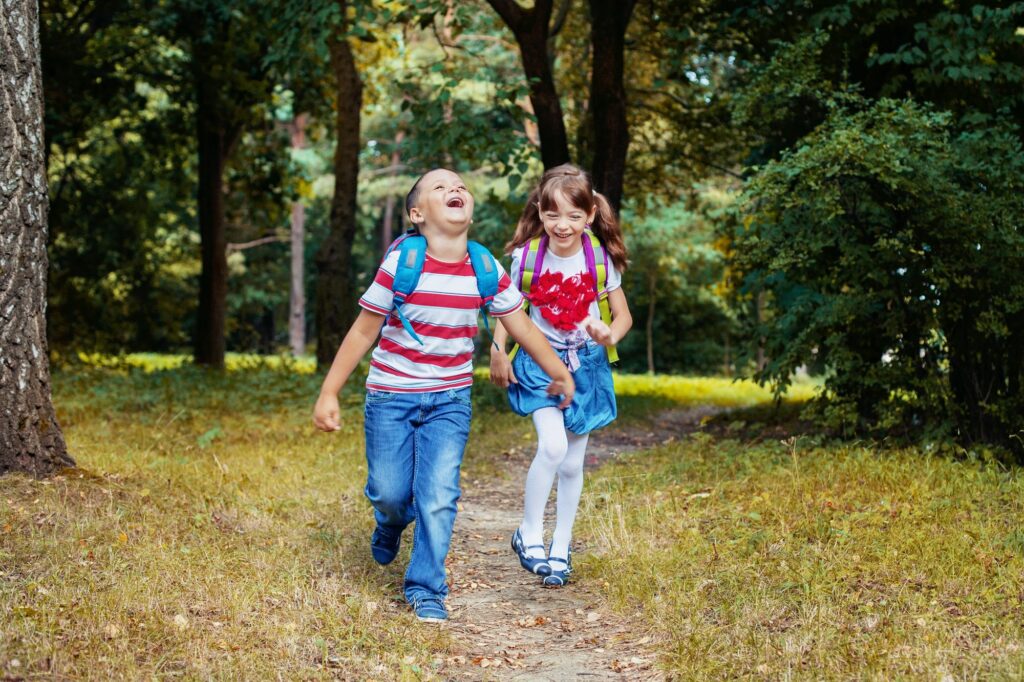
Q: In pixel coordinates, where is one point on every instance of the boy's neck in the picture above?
(446, 246)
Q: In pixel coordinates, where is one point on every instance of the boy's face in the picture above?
(442, 201)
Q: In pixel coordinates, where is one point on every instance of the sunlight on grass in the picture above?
(782, 560)
(211, 532)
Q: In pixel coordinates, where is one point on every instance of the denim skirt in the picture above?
(592, 407)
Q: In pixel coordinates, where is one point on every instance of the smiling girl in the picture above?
(567, 259)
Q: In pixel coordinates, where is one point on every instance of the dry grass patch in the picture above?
(783, 561)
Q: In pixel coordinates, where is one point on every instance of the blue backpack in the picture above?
(412, 250)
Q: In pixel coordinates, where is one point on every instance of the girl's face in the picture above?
(564, 223)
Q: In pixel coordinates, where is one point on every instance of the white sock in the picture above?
(552, 445)
(570, 486)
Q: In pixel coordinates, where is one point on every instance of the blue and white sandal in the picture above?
(558, 578)
(531, 564)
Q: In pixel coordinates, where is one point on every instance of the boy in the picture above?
(418, 395)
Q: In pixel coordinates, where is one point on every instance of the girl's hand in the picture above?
(564, 387)
(327, 413)
(501, 370)
(599, 331)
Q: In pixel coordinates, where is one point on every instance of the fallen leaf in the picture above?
(181, 622)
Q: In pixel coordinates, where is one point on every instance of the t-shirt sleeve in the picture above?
(379, 297)
(517, 259)
(508, 299)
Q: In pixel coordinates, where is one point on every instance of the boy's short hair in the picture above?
(414, 193)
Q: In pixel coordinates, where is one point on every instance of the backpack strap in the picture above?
(529, 265)
(486, 271)
(597, 265)
(412, 250)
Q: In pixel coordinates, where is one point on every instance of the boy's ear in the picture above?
(416, 216)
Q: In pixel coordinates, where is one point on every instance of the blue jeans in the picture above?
(414, 447)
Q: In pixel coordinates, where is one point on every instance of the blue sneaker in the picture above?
(538, 566)
(558, 578)
(384, 544)
(430, 610)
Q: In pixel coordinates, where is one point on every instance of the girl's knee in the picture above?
(570, 467)
(552, 453)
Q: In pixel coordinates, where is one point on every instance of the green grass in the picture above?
(211, 532)
(781, 560)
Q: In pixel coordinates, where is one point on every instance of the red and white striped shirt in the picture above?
(443, 310)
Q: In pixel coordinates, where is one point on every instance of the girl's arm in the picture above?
(358, 340)
(501, 367)
(525, 332)
(622, 321)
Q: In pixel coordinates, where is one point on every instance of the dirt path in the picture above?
(509, 627)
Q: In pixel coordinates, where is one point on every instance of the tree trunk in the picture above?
(608, 22)
(652, 293)
(297, 299)
(387, 228)
(335, 304)
(30, 438)
(531, 28)
(216, 134)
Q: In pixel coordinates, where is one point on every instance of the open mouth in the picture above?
(455, 202)
(561, 235)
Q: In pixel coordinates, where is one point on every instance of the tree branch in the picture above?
(241, 246)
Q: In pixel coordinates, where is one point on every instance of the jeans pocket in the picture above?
(377, 397)
(460, 396)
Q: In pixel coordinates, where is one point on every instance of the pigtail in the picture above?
(606, 227)
(529, 225)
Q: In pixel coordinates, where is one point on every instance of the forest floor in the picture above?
(210, 533)
(504, 620)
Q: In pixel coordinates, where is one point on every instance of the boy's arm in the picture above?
(501, 367)
(358, 340)
(526, 334)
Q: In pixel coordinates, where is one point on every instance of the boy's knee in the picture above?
(391, 501)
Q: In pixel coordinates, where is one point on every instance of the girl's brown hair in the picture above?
(575, 185)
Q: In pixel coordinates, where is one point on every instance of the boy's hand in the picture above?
(327, 413)
(565, 387)
(501, 370)
(599, 331)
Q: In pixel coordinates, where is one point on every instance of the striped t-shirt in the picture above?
(443, 310)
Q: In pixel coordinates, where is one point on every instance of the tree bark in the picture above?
(297, 299)
(387, 228)
(217, 131)
(609, 19)
(30, 437)
(335, 307)
(531, 28)
(652, 293)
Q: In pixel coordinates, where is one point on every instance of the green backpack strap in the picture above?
(528, 266)
(597, 263)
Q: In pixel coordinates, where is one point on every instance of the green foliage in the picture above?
(671, 288)
(890, 246)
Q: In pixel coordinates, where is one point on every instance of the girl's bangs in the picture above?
(574, 189)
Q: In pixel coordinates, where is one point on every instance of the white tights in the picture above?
(559, 452)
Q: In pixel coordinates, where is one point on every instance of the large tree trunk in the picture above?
(30, 438)
(297, 299)
(217, 132)
(608, 22)
(531, 28)
(335, 304)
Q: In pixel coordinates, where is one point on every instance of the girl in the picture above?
(567, 258)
